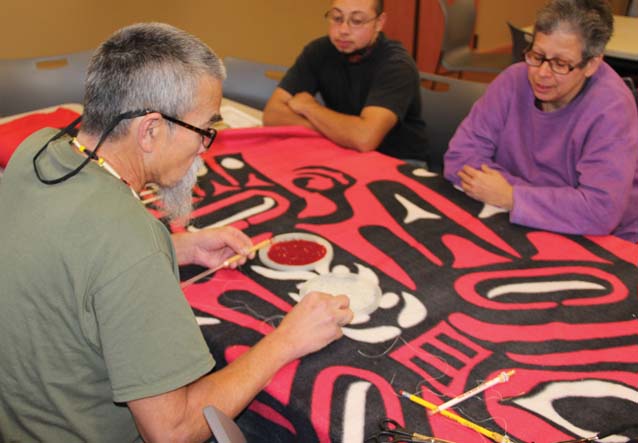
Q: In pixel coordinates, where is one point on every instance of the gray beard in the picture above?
(178, 199)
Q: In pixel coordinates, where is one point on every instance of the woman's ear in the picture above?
(592, 65)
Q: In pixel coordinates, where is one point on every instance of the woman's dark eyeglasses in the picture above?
(557, 65)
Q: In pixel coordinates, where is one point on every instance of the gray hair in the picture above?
(145, 66)
(591, 19)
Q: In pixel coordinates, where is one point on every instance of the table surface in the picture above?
(76, 107)
(238, 115)
(235, 115)
(465, 296)
(624, 41)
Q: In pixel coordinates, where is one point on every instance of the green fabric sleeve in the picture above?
(153, 345)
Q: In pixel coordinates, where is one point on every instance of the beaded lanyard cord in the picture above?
(91, 155)
(101, 163)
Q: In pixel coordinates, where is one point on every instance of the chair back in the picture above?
(34, 83)
(459, 19)
(223, 428)
(520, 42)
(457, 50)
(444, 110)
(629, 81)
(249, 82)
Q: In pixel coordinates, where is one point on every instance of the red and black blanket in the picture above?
(466, 296)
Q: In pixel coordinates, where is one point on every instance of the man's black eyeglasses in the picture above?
(208, 135)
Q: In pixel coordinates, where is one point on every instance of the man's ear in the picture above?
(381, 21)
(149, 130)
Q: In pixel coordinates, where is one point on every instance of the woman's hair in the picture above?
(591, 19)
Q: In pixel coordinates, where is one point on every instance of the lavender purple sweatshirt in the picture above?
(574, 170)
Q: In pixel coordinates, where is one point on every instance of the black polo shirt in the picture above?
(387, 77)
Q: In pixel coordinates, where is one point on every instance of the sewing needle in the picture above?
(501, 378)
(226, 263)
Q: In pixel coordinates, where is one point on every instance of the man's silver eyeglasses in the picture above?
(557, 65)
(354, 21)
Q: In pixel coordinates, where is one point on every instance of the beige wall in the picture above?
(492, 18)
(270, 31)
(493, 15)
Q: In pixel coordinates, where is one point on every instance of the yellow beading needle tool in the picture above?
(457, 418)
(226, 263)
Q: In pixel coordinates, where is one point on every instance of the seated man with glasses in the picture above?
(98, 342)
(554, 140)
(369, 84)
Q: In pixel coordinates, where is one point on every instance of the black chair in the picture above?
(520, 41)
(35, 83)
(630, 83)
(251, 83)
(444, 110)
(456, 54)
(632, 87)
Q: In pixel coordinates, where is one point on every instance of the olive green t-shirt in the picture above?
(91, 312)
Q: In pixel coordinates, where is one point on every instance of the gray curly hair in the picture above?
(591, 19)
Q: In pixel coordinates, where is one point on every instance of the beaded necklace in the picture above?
(102, 163)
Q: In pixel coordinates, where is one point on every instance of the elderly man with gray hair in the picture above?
(555, 139)
(98, 342)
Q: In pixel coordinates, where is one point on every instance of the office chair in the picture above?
(223, 428)
(632, 87)
(630, 83)
(520, 42)
(456, 54)
(34, 83)
(251, 83)
(444, 110)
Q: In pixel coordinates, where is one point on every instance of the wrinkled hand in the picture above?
(314, 323)
(301, 101)
(487, 185)
(211, 247)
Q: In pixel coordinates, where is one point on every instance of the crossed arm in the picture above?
(363, 132)
(313, 323)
